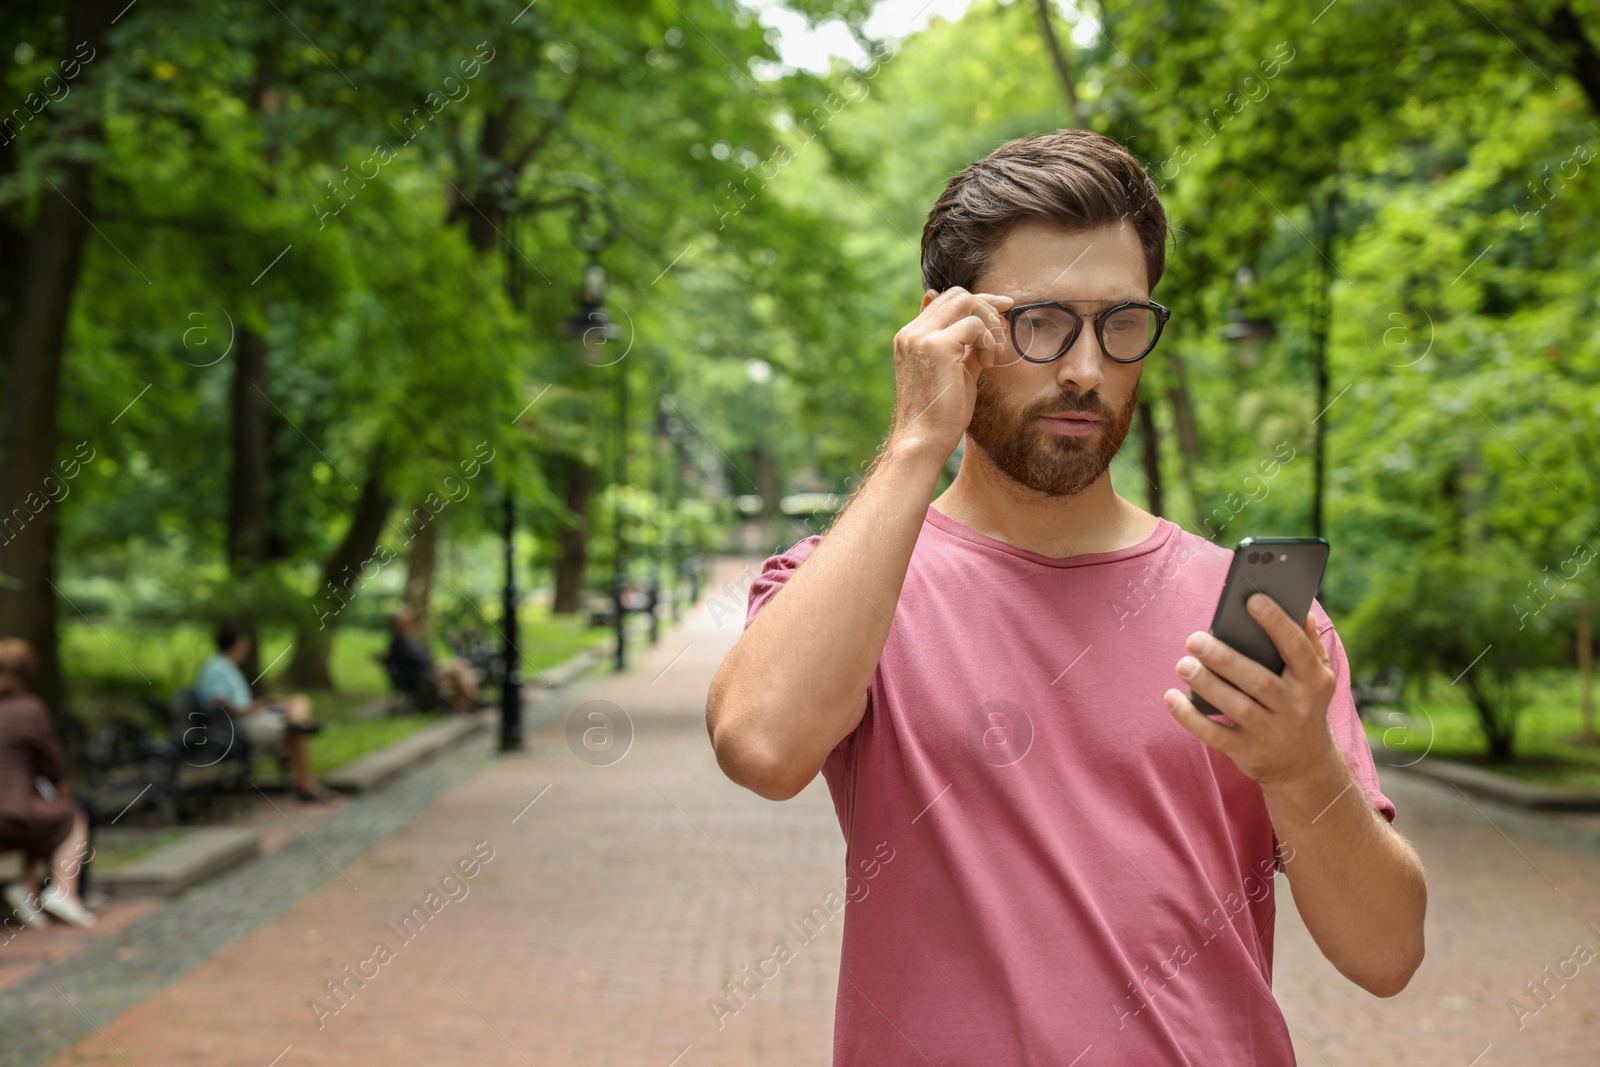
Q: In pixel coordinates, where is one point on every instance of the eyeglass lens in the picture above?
(1040, 333)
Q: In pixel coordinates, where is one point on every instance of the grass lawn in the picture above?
(113, 665)
(341, 742)
(1443, 724)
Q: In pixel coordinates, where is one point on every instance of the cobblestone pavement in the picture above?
(611, 902)
(23, 952)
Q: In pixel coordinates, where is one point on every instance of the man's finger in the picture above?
(1250, 678)
(1299, 651)
(1204, 727)
(955, 303)
(1221, 693)
(969, 331)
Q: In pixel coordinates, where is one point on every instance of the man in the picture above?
(414, 666)
(271, 725)
(989, 683)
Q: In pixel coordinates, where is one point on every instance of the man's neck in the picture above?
(1095, 520)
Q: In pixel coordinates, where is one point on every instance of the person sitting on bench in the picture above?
(37, 814)
(272, 725)
(413, 665)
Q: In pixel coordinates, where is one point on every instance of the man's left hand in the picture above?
(1279, 731)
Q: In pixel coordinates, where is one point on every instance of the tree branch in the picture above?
(1058, 58)
(549, 127)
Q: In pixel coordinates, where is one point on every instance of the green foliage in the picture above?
(342, 201)
(1457, 617)
(1441, 723)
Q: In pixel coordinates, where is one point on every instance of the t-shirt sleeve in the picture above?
(774, 572)
(1347, 731)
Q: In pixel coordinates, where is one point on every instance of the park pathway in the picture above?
(611, 901)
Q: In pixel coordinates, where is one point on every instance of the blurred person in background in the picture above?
(271, 724)
(413, 663)
(37, 814)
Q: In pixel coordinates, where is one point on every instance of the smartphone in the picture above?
(1287, 569)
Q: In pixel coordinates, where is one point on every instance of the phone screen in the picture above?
(1287, 569)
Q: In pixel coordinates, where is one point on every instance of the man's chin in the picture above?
(1053, 483)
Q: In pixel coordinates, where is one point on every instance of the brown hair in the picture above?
(1074, 178)
(17, 664)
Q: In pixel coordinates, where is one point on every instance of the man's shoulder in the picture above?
(1188, 547)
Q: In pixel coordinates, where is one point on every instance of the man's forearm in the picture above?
(792, 684)
(1357, 883)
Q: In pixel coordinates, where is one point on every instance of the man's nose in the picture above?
(1082, 365)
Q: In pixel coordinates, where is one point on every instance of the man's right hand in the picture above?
(938, 357)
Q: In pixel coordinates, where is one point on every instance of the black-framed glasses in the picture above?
(1042, 333)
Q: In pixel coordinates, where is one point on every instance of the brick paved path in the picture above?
(620, 898)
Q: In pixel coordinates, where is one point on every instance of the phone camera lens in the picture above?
(1266, 557)
(1253, 557)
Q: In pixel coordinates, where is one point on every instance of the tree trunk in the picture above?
(349, 564)
(35, 343)
(1186, 429)
(1565, 32)
(1585, 651)
(576, 480)
(1495, 716)
(29, 426)
(248, 500)
(250, 479)
(487, 215)
(250, 475)
(1150, 449)
(768, 483)
(420, 564)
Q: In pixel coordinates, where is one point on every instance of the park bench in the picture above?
(182, 764)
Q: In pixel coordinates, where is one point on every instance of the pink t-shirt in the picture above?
(1042, 864)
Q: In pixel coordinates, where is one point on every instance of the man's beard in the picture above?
(1033, 455)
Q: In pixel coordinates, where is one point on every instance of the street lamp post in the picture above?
(594, 328)
(591, 326)
(511, 686)
(619, 538)
(667, 431)
(510, 653)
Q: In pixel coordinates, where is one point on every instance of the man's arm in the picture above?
(795, 683)
(1358, 884)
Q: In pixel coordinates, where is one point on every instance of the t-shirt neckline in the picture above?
(1164, 531)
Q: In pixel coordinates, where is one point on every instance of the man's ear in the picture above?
(928, 296)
